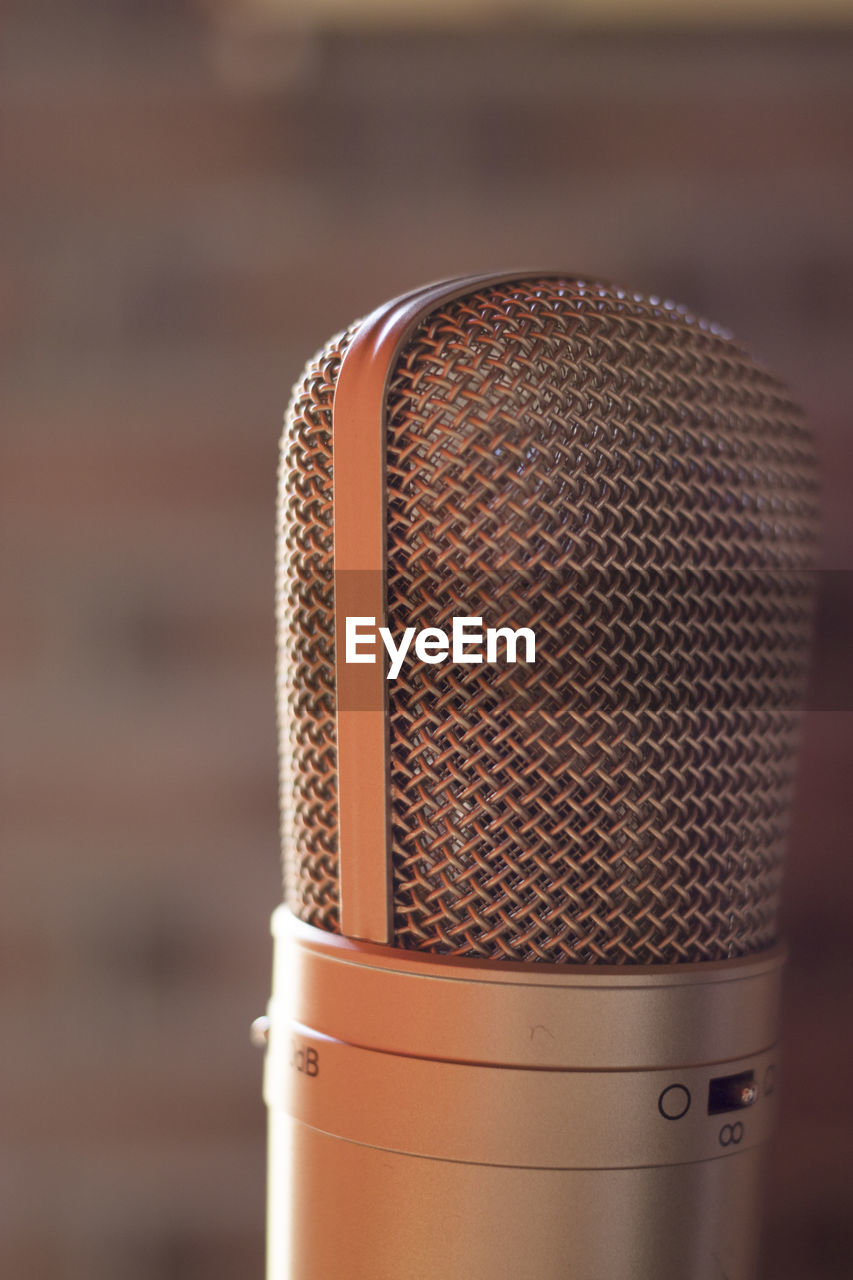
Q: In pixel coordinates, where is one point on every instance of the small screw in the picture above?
(259, 1032)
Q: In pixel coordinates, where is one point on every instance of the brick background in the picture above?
(187, 212)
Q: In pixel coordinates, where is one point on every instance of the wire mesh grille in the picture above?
(306, 645)
(621, 478)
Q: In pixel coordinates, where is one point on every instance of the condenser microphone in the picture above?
(543, 621)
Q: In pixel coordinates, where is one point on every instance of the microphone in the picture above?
(544, 607)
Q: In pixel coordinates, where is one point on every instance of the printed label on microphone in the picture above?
(304, 1058)
(467, 642)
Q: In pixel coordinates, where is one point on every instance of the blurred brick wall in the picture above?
(176, 239)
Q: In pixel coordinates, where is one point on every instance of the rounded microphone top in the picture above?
(618, 478)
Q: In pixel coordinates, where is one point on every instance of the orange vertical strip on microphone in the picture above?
(359, 540)
(359, 565)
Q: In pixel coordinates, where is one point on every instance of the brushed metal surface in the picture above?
(352, 1212)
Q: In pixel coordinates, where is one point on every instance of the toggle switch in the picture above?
(732, 1093)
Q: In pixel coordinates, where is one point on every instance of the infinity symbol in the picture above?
(731, 1134)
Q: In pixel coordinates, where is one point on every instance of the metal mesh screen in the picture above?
(620, 477)
(306, 645)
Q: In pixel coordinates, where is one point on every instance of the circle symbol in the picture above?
(674, 1102)
(731, 1134)
(737, 1132)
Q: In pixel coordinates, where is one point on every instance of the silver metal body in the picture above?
(472, 1120)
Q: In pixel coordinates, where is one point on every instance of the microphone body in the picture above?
(524, 1018)
(427, 1119)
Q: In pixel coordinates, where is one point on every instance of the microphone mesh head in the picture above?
(621, 478)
